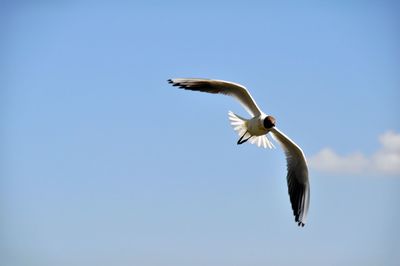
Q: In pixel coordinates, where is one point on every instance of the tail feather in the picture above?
(239, 124)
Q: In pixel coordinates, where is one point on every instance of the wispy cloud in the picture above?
(385, 161)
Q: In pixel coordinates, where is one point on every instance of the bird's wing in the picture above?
(222, 87)
(297, 176)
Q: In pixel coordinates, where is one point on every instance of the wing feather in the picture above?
(297, 176)
(219, 87)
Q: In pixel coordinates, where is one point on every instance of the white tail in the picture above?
(239, 124)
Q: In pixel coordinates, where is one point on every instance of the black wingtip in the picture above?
(301, 224)
(170, 81)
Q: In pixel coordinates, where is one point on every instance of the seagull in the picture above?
(255, 130)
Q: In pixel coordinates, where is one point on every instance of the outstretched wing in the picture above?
(222, 87)
(297, 176)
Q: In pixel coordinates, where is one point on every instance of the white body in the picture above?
(251, 129)
(255, 126)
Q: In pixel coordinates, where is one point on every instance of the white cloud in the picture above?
(385, 161)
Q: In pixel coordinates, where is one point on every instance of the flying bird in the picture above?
(255, 130)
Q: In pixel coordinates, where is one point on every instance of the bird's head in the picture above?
(269, 122)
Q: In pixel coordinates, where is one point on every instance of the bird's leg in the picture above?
(240, 141)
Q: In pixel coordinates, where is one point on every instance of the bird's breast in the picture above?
(255, 127)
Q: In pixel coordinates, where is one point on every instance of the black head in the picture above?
(269, 122)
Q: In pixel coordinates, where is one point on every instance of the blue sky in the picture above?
(104, 163)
